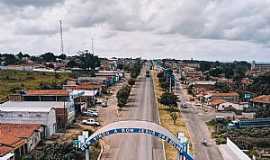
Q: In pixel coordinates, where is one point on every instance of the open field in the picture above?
(166, 120)
(12, 81)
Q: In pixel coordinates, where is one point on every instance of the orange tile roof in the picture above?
(14, 135)
(216, 101)
(58, 92)
(262, 99)
(88, 86)
(225, 94)
(5, 150)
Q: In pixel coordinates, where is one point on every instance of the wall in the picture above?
(237, 151)
(44, 118)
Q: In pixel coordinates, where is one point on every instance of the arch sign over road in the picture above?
(137, 127)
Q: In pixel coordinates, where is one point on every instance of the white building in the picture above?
(30, 113)
(227, 105)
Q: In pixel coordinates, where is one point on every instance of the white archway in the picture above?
(136, 127)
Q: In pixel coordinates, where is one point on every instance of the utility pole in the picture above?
(61, 38)
(170, 84)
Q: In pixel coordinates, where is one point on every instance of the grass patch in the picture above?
(12, 81)
(166, 120)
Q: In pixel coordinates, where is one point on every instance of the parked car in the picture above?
(91, 122)
(99, 101)
(90, 113)
(103, 104)
(198, 104)
(92, 110)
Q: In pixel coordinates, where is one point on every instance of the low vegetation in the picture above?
(13, 81)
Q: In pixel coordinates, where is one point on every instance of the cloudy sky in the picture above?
(222, 30)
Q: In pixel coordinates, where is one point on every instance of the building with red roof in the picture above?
(17, 140)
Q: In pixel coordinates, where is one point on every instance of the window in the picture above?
(38, 115)
(20, 115)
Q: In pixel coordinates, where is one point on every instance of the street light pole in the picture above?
(170, 84)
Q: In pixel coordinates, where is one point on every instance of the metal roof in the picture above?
(31, 106)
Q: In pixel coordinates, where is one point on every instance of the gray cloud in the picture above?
(202, 29)
(35, 3)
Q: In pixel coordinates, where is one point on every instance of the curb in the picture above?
(101, 151)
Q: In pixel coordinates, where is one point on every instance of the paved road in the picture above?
(198, 130)
(141, 107)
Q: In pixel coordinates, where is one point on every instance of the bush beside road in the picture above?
(166, 119)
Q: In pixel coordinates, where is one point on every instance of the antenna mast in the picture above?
(61, 36)
(92, 39)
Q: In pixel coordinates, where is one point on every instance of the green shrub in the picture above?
(168, 99)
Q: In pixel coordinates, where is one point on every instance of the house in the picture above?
(85, 96)
(85, 86)
(41, 95)
(108, 64)
(259, 68)
(47, 95)
(262, 105)
(202, 86)
(17, 140)
(232, 97)
(115, 75)
(228, 106)
(27, 112)
(216, 102)
(6, 153)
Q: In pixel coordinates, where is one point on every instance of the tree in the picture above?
(20, 55)
(62, 56)
(260, 85)
(72, 63)
(168, 99)
(88, 60)
(122, 95)
(174, 117)
(48, 57)
(205, 66)
(131, 81)
(10, 59)
(136, 68)
(222, 87)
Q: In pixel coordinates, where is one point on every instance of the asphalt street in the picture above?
(141, 106)
(198, 131)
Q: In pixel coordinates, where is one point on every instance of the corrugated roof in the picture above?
(225, 94)
(58, 92)
(31, 106)
(262, 99)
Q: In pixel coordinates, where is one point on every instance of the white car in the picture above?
(90, 122)
(198, 104)
(92, 110)
(104, 104)
(90, 113)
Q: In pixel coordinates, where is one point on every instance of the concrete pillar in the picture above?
(87, 154)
